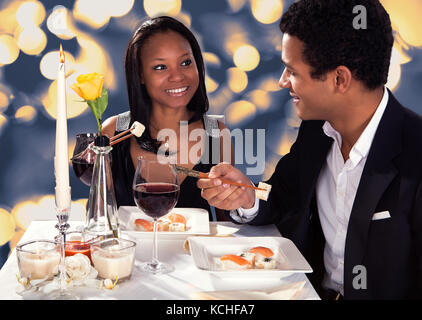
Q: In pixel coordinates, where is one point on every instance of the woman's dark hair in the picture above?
(330, 37)
(139, 99)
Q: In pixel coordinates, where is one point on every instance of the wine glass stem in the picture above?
(155, 245)
(63, 264)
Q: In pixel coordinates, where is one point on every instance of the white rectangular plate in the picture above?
(197, 222)
(207, 250)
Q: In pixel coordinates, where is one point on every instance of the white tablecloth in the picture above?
(186, 278)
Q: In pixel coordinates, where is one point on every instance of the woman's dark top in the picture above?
(123, 169)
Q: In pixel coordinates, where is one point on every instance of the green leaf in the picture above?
(98, 106)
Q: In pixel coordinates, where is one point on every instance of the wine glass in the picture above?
(156, 191)
(83, 157)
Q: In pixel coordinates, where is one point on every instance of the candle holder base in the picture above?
(62, 295)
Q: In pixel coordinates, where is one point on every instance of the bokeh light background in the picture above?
(240, 41)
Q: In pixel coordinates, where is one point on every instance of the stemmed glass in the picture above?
(83, 157)
(156, 191)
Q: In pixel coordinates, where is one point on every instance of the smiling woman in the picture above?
(165, 77)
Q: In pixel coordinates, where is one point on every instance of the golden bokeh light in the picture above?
(43, 208)
(246, 57)
(118, 8)
(236, 5)
(4, 101)
(406, 19)
(240, 111)
(9, 50)
(31, 40)
(210, 84)
(25, 113)
(49, 64)
(154, 8)
(235, 36)
(60, 23)
(30, 13)
(267, 11)
(91, 12)
(8, 17)
(270, 84)
(94, 58)
(185, 18)
(211, 59)
(75, 106)
(3, 122)
(237, 79)
(7, 226)
(260, 98)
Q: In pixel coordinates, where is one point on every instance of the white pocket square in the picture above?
(381, 215)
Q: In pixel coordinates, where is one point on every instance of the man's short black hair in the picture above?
(327, 30)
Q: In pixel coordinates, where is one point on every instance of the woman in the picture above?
(165, 77)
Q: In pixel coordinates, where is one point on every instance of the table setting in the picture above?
(152, 251)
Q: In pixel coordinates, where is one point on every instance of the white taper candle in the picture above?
(61, 158)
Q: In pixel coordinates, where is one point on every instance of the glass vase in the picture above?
(101, 216)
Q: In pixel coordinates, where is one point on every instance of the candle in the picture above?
(113, 258)
(74, 247)
(61, 156)
(38, 259)
(78, 242)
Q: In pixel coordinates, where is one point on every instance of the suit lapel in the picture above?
(314, 159)
(378, 173)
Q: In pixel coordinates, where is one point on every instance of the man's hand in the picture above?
(225, 196)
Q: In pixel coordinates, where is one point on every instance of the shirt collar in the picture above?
(363, 144)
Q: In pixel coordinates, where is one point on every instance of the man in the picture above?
(349, 193)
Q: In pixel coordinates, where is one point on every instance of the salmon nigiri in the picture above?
(264, 258)
(262, 251)
(178, 222)
(232, 261)
(143, 225)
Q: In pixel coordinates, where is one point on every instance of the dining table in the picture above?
(186, 282)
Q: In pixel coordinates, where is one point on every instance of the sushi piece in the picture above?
(137, 129)
(177, 218)
(264, 258)
(163, 225)
(248, 256)
(234, 262)
(177, 227)
(262, 252)
(266, 263)
(261, 194)
(143, 225)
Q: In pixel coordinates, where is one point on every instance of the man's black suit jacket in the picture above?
(390, 249)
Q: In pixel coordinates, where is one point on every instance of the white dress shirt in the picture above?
(335, 191)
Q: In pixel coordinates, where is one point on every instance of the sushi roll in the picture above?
(163, 225)
(266, 263)
(261, 194)
(234, 262)
(143, 225)
(177, 227)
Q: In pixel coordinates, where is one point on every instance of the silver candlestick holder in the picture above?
(62, 293)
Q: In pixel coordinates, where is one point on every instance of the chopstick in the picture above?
(115, 140)
(200, 175)
(135, 130)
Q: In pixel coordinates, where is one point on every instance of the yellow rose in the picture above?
(89, 86)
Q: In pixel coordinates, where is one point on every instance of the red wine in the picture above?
(156, 199)
(83, 170)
